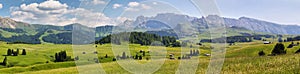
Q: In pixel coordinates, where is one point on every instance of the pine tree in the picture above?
(9, 52)
(140, 57)
(23, 52)
(278, 49)
(136, 57)
(124, 55)
(144, 54)
(18, 52)
(56, 57)
(13, 52)
(106, 56)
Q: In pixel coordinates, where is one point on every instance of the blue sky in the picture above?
(115, 11)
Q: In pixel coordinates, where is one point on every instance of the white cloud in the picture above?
(133, 4)
(117, 6)
(56, 13)
(96, 2)
(1, 6)
(144, 6)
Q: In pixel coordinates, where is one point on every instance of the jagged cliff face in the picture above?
(200, 24)
(9, 23)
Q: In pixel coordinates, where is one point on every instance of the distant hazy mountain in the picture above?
(200, 24)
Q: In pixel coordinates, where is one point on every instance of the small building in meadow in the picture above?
(267, 42)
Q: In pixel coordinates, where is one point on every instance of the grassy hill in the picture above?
(240, 58)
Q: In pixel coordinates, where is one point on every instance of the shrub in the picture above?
(278, 49)
(5, 62)
(24, 52)
(261, 53)
(290, 46)
(106, 56)
(298, 51)
(114, 59)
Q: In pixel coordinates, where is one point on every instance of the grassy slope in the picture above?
(240, 58)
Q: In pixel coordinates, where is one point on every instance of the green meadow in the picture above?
(240, 58)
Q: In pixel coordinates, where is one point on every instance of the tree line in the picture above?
(279, 49)
(139, 38)
(11, 52)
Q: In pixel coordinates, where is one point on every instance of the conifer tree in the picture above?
(9, 52)
(23, 52)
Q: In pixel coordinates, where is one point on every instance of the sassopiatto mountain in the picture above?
(167, 24)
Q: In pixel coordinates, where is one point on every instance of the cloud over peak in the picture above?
(56, 13)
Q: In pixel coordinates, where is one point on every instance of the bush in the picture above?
(114, 59)
(290, 46)
(298, 51)
(278, 49)
(106, 56)
(261, 53)
(5, 62)
(24, 52)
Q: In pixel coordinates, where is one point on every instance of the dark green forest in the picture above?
(139, 38)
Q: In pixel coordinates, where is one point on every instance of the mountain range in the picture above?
(166, 24)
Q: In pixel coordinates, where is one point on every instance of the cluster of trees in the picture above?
(231, 39)
(244, 38)
(11, 52)
(279, 49)
(194, 52)
(297, 38)
(60, 38)
(138, 56)
(62, 56)
(139, 38)
(184, 57)
(293, 44)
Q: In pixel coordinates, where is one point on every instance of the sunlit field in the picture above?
(240, 58)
